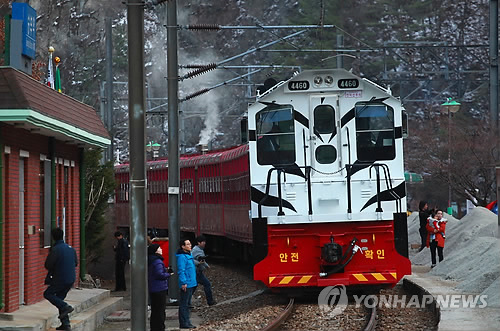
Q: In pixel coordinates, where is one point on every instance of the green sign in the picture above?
(412, 177)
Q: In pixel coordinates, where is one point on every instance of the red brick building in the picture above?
(43, 134)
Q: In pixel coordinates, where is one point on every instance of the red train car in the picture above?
(214, 194)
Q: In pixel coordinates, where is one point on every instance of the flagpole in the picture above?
(50, 69)
(57, 81)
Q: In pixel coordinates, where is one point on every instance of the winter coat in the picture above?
(197, 253)
(157, 274)
(186, 270)
(61, 263)
(422, 216)
(122, 252)
(432, 225)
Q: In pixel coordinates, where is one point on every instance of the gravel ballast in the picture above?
(471, 253)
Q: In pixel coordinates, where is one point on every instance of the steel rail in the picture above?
(275, 324)
(372, 320)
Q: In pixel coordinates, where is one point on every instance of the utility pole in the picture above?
(173, 144)
(109, 86)
(494, 84)
(494, 64)
(137, 141)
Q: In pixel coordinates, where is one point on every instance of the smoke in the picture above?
(212, 120)
(207, 105)
(194, 47)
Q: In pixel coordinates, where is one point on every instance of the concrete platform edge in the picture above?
(414, 288)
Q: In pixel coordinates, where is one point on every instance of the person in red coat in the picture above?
(436, 228)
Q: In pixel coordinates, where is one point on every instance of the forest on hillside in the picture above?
(426, 51)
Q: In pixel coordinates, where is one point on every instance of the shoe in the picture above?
(212, 303)
(188, 327)
(64, 327)
(432, 266)
(65, 311)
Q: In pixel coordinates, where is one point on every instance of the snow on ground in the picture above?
(471, 253)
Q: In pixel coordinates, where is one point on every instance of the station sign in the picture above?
(23, 12)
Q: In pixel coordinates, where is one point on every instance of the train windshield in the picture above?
(275, 135)
(375, 132)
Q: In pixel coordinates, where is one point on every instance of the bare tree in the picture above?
(470, 169)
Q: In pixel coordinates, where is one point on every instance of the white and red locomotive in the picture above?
(318, 193)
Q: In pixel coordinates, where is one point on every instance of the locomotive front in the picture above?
(327, 183)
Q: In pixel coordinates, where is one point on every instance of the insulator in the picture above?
(193, 66)
(204, 27)
(195, 94)
(159, 2)
(201, 70)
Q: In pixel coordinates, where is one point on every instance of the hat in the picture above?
(152, 249)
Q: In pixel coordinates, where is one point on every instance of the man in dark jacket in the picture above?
(61, 263)
(122, 255)
(423, 214)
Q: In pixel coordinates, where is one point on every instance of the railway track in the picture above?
(371, 318)
(239, 311)
(274, 325)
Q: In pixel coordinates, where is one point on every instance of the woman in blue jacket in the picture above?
(158, 287)
(187, 282)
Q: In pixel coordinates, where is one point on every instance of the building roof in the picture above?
(28, 104)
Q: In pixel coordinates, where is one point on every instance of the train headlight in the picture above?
(318, 80)
(328, 80)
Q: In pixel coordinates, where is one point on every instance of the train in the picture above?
(316, 197)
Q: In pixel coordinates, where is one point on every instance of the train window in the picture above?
(375, 132)
(275, 135)
(404, 119)
(324, 119)
(326, 154)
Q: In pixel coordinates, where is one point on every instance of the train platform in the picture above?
(95, 310)
(91, 307)
(453, 314)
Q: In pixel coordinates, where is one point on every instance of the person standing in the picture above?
(158, 277)
(436, 228)
(186, 271)
(423, 214)
(122, 255)
(198, 254)
(60, 263)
